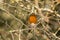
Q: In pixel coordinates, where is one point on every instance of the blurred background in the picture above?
(14, 16)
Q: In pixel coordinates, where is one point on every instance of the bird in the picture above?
(32, 20)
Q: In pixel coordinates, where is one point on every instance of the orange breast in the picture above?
(58, 1)
(32, 19)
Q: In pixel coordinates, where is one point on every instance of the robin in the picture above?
(32, 20)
